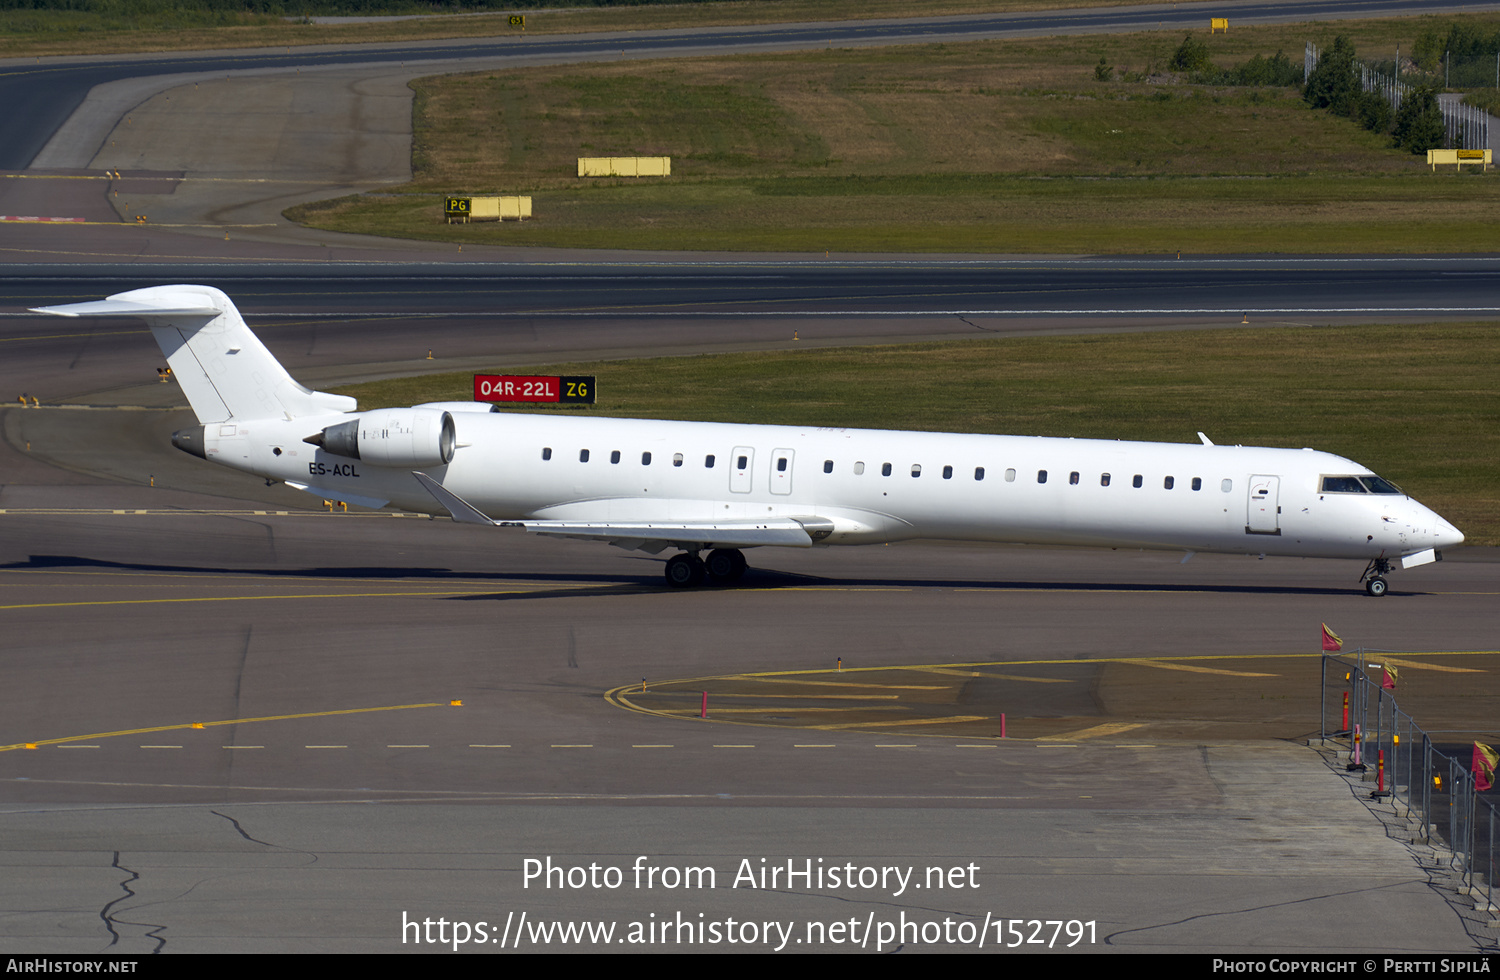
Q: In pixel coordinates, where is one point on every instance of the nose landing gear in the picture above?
(1374, 577)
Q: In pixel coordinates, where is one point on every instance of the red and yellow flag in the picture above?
(1331, 639)
(1483, 767)
(1389, 680)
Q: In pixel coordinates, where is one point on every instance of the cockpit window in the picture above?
(1377, 485)
(1358, 484)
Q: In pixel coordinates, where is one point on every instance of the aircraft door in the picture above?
(740, 468)
(1263, 515)
(781, 470)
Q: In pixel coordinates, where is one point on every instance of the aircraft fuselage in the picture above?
(873, 485)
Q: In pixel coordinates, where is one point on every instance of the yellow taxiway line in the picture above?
(218, 724)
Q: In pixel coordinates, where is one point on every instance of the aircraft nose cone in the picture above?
(1447, 536)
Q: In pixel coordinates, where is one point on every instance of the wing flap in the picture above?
(783, 532)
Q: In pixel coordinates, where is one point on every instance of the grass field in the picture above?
(1417, 404)
(1007, 146)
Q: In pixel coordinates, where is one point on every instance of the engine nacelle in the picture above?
(392, 437)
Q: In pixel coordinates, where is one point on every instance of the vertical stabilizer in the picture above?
(224, 369)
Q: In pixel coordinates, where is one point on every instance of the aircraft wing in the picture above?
(649, 536)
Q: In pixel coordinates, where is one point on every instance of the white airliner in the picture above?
(713, 488)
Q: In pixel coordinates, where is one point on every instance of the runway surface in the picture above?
(332, 323)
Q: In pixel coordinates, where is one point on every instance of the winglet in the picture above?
(460, 509)
(1206, 440)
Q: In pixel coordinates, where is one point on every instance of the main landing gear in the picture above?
(1374, 577)
(722, 567)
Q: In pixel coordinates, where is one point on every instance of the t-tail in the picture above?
(223, 368)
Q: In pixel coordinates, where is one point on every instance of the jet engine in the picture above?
(392, 437)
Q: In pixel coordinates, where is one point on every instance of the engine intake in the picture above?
(392, 437)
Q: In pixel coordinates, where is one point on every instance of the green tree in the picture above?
(1334, 83)
(1419, 122)
(1428, 51)
(1192, 55)
(1374, 112)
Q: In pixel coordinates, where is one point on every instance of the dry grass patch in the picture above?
(1011, 146)
(983, 108)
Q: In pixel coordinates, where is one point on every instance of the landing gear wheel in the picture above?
(1374, 576)
(684, 571)
(725, 565)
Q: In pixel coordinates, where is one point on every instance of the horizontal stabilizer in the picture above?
(121, 307)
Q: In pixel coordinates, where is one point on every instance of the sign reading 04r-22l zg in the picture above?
(575, 390)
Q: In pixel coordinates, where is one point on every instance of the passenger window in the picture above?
(979, 472)
(916, 470)
(547, 452)
(1041, 476)
(885, 469)
(583, 455)
(1197, 483)
(614, 457)
(708, 462)
(1168, 482)
(781, 465)
(1104, 479)
(859, 469)
(744, 462)
(677, 459)
(1073, 478)
(947, 472)
(645, 459)
(1227, 486)
(1010, 476)
(1137, 481)
(827, 466)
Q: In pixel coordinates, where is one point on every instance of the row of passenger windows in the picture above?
(614, 457)
(1074, 478)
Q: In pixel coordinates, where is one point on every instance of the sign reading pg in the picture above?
(575, 390)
